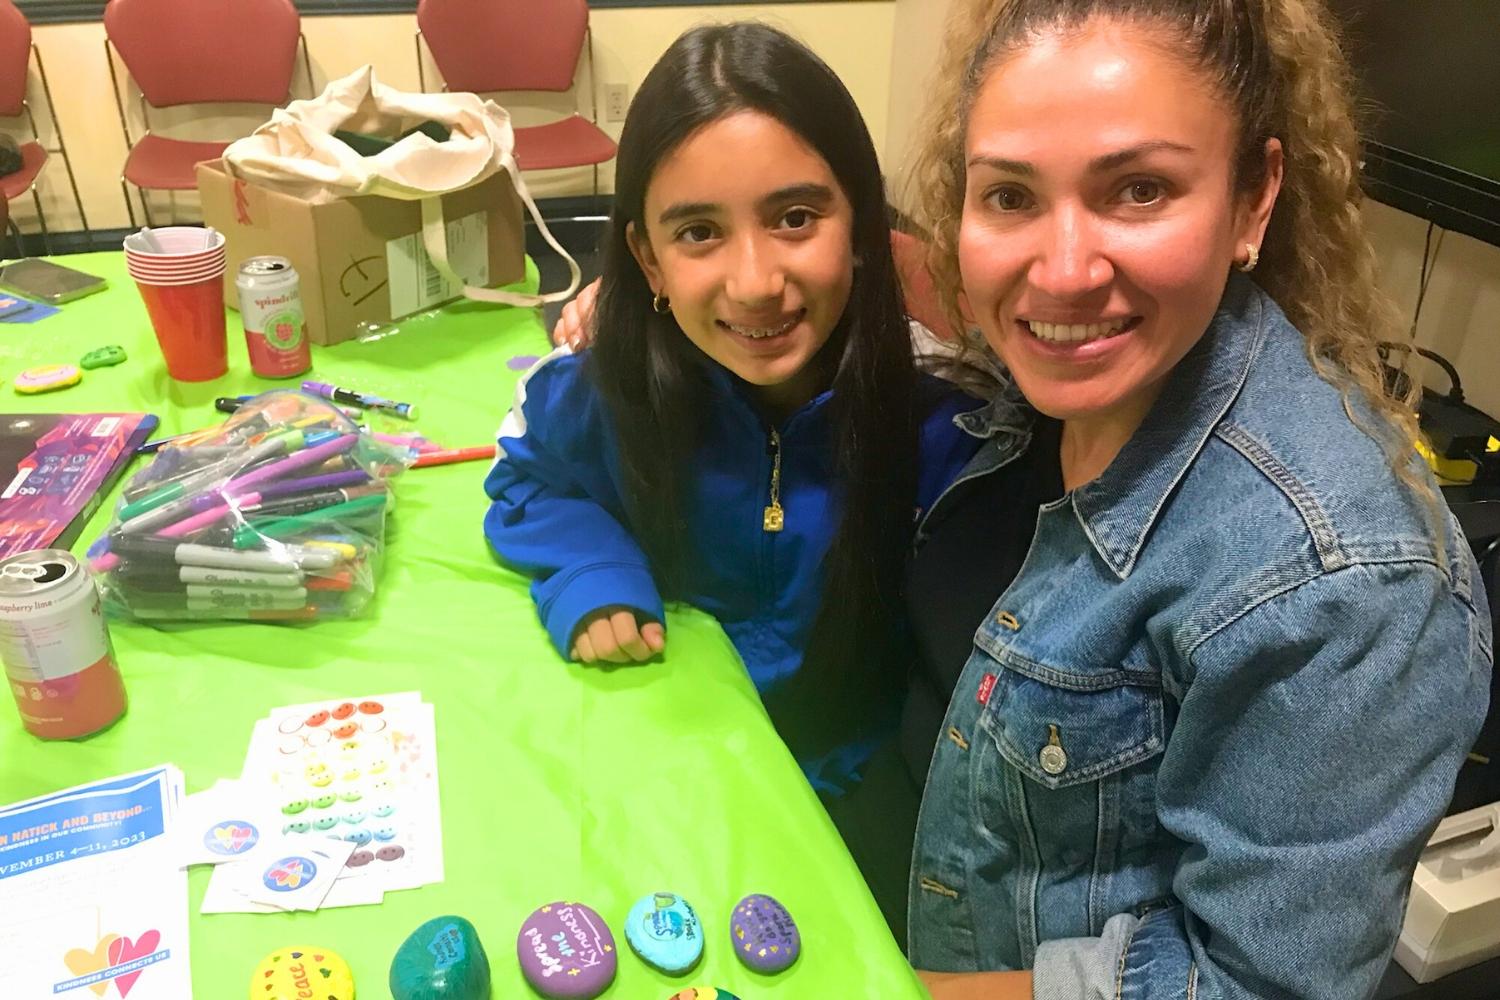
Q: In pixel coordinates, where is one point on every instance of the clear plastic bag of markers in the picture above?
(277, 514)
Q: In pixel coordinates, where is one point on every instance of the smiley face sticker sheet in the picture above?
(359, 770)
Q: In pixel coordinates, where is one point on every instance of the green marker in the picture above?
(248, 536)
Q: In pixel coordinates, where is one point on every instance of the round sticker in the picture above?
(284, 330)
(289, 873)
(232, 837)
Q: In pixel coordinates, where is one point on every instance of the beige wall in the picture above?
(853, 36)
(919, 26)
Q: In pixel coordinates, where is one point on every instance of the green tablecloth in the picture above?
(557, 781)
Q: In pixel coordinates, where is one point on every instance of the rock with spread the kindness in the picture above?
(299, 972)
(441, 960)
(663, 929)
(703, 993)
(764, 935)
(566, 950)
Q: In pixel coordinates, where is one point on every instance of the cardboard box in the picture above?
(361, 260)
(1453, 918)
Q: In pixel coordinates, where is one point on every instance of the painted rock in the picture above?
(764, 935)
(566, 950)
(301, 972)
(441, 960)
(703, 993)
(665, 932)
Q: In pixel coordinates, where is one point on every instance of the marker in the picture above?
(281, 527)
(407, 411)
(138, 576)
(306, 457)
(166, 551)
(176, 610)
(197, 522)
(309, 484)
(452, 455)
(170, 502)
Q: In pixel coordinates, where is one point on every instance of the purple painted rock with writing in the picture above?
(567, 950)
(764, 935)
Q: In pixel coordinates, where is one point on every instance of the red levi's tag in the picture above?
(985, 687)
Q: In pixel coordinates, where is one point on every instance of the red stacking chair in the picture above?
(196, 52)
(486, 46)
(16, 53)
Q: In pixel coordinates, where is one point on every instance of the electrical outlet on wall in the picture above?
(616, 101)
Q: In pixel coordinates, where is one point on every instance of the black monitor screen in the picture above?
(1430, 72)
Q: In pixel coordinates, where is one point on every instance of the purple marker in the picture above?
(406, 411)
(309, 484)
(301, 459)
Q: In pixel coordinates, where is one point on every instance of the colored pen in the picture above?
(309, 484)
(454, 455)
(258, 510)
(135, 575)
(199, 521)
(170, 502)
(175, 610)
(407, 411)
(281, 527)
(301, 459)
(168, 551)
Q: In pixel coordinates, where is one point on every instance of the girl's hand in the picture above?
(575, 327)
(612, 635)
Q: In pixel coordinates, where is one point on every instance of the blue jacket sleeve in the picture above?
(1315, 752)
(943, 447)
(556, 514)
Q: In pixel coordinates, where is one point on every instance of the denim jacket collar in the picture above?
(1118, 510)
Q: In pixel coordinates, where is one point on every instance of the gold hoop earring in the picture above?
(661, 303)
(1252, 257)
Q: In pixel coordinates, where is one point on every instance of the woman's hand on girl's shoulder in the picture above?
(575, 327)
(613, 635)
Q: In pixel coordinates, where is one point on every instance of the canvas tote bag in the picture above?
(296, 152)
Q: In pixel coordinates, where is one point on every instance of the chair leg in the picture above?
(146, 207)
(15, 232)
(41, 221)
(129, 206)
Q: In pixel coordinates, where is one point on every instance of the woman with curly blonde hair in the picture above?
(1197, 743)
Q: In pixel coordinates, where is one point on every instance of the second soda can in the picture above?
(275, 326)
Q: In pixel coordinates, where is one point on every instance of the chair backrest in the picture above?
(203, 51)
(483, 46)
(15, 58)
(918, 289)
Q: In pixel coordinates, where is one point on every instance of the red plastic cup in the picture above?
(189, 324)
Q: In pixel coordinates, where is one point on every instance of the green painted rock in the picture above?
(441, 960)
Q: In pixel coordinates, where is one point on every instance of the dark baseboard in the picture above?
(572, 219)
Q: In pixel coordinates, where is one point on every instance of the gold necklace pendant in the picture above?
(773, 518)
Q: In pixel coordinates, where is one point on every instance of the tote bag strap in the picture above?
(434, 237)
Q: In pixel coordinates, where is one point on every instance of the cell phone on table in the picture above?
(47, 282)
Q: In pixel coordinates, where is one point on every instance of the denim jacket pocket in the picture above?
(1061, 728)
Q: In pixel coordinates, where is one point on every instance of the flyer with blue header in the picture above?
(95, 904)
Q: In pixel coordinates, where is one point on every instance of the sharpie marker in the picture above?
(407, 411)
(454, 455)
(165, 551)
(152, 576)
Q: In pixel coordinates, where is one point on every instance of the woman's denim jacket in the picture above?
(1205, 733)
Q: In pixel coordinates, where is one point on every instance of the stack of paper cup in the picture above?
(180, 272)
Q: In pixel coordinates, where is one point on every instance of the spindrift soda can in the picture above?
(55, 644)
(271, 308)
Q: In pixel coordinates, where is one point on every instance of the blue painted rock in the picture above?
(441, 960)
(566, 950)
(703, 993)
(763, 934)
(665, 932)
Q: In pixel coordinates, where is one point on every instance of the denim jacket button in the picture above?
(1053, 758)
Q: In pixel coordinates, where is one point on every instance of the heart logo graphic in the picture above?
(125, 950)
(81, 961)
(234, 837)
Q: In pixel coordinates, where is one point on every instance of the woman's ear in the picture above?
(1256, 209)
(645, 257)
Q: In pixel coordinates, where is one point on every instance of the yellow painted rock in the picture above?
(302, 973)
